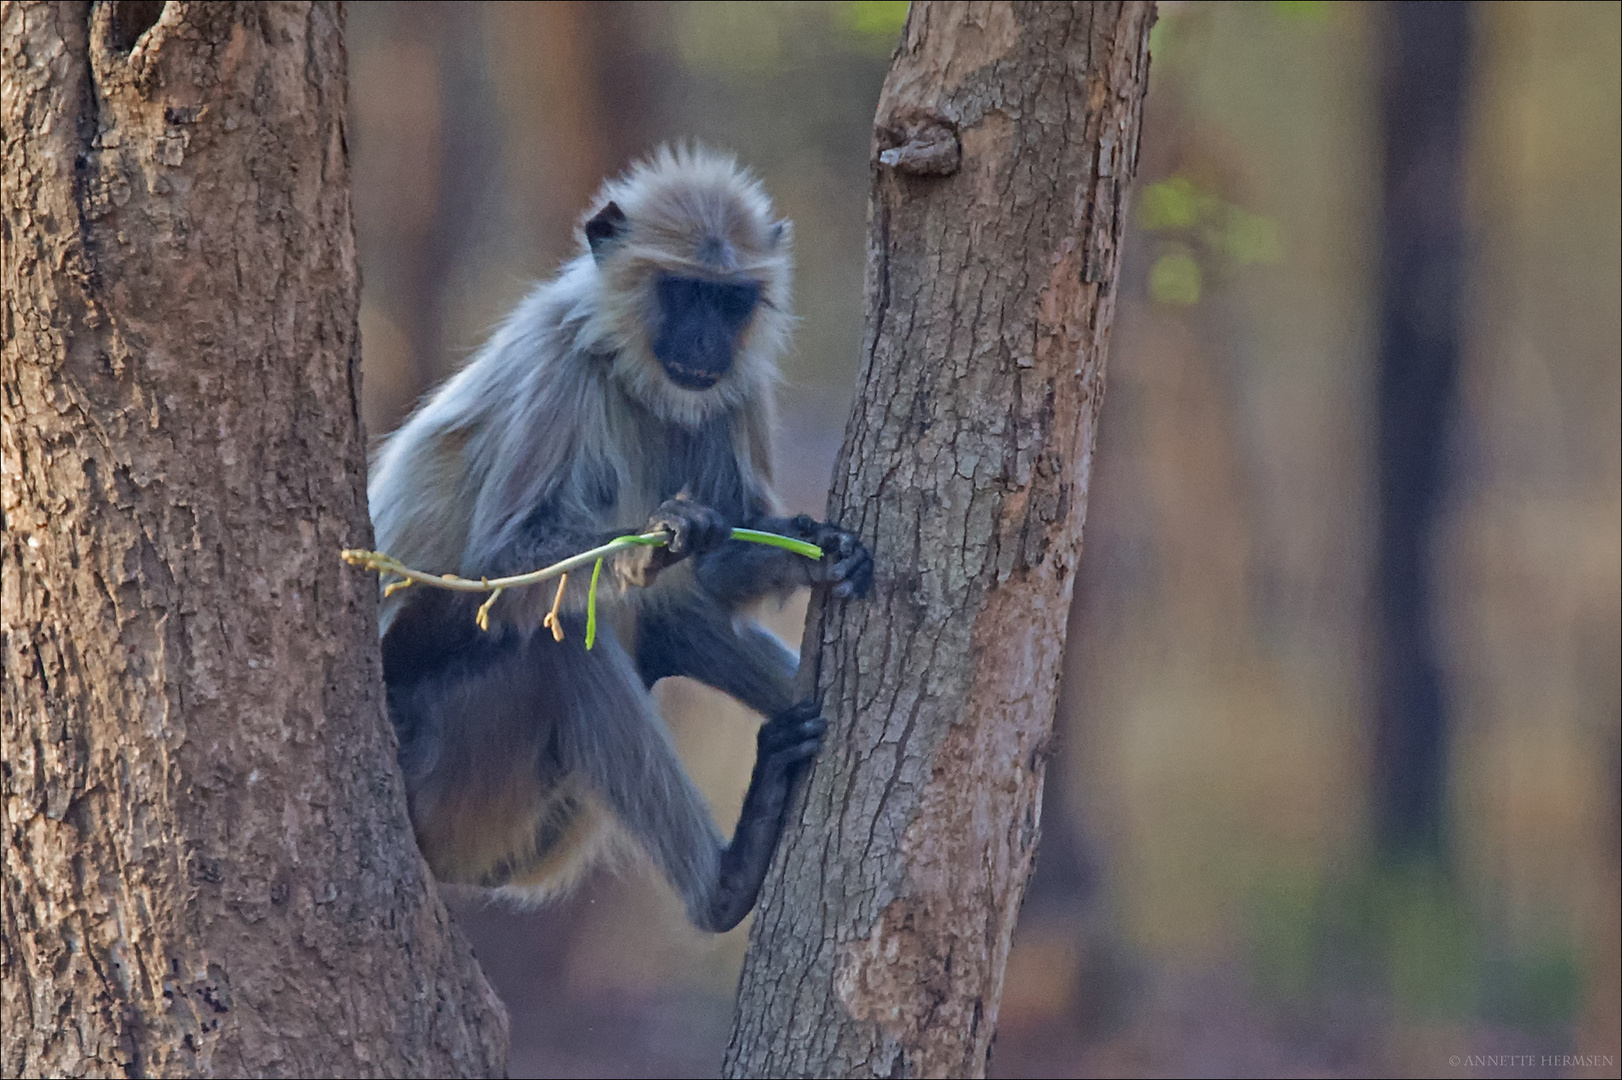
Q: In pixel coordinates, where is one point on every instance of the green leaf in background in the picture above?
(876, 24)
(1173, 204)
(1247, 238)
(1307, 10)
(1175, 278)
(1209, 232)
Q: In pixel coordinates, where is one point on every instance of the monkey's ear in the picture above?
(782, 233)
(607, 226)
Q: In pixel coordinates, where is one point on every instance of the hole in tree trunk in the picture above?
(132, 18)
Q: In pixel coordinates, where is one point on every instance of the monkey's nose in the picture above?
(717, 254)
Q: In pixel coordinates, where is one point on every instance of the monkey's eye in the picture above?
(730, 302)
(736, 302)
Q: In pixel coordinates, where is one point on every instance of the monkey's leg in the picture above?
(738, 572)
(699, 639)
(475, 713)
(785, 743)
(616, 741)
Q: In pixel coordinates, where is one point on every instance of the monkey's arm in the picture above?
(736, 573)
(620, 748)
(696, 637)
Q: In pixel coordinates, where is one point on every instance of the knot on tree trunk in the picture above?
(924, 145)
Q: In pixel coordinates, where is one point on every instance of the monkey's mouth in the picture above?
(690, 378)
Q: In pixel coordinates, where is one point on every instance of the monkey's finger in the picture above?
(854, 576)
(779, 738)
(836, 542)
(693, 528)
(771, 742)
(808, 709)
(669, 524)
(677, 528)
(850, 566)
(794, 725)
(710, 531)
(790, 756)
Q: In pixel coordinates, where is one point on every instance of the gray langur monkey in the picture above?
(631, 393)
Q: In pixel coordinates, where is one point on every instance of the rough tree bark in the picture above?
(208, 868)
(1006, 137)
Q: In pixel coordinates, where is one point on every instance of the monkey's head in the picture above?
(694, 273)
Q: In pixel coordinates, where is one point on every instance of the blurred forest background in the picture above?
(1262, 854)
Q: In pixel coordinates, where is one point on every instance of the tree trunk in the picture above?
(208, 867)
(1423, 110)
(1006, 137)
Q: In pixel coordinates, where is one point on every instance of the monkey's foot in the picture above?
(790, 737)
(785, 742)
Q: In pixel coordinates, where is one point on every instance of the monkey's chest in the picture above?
(700, 464)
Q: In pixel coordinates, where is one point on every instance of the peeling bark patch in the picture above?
(893, 980)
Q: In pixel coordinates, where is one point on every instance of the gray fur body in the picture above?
(527, 758)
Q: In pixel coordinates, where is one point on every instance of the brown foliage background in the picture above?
(1203, 900)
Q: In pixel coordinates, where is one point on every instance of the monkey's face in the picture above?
(698, 326)
(692, 271)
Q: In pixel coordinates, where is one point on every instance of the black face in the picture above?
(699, 323)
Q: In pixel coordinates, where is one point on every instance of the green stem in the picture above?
(787, 543)
(388, 564)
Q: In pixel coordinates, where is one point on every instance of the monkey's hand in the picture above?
(693, 529)
(846, 566)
